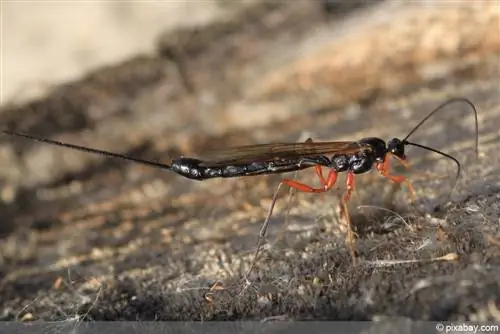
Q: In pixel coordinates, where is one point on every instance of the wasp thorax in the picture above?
(377, 148)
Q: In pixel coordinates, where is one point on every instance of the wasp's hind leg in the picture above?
(344, 213)
(327, 182)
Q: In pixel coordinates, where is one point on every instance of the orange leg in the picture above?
(299, 186)
(319, 172)
(384, 167)
(350, 185)
(328, 182)
(402, 162)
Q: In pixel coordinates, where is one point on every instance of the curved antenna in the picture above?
(440, 107)
(88, 149)
(457, 176)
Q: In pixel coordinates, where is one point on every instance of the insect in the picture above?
(351, 157)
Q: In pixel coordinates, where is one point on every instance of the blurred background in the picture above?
(46, 43)
(160, 79)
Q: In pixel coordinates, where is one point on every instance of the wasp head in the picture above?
(397, 147)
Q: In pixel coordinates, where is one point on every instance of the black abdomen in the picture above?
(195, 169)
(190, 168)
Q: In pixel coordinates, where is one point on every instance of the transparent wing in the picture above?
(277, 151)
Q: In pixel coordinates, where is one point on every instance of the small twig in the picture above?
(384, 209)
(387, 263)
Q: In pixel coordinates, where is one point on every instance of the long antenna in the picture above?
(450, 101)
(457, 176)
(88, 150)
(440, 107)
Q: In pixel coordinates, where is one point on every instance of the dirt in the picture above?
(89, 238)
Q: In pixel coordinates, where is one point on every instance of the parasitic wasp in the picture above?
(351, 157)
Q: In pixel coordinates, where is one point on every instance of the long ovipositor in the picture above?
(352, 157)
(355, 157)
